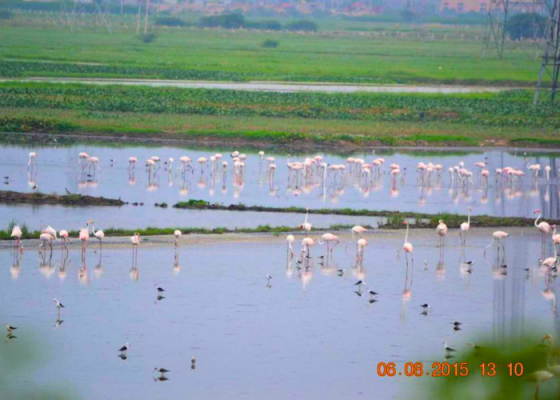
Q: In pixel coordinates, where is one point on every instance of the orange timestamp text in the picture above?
(443, 369)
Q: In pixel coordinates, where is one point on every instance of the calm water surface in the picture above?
(307, 336)
(57, 172)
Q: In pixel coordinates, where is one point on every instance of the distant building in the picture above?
(464, 6)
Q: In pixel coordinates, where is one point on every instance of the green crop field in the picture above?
(376, 53)
(466, 119)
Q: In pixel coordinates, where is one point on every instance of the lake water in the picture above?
(307, 336)
(57, 173)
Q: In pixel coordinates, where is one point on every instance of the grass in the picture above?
(151, 231)
(281, 118)
(394, 219)
(387, 54)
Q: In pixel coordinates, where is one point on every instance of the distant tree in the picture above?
(6, 14)
(303, 25)
(409, 16)
(525, 26)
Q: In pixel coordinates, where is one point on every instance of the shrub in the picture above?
(526, 26)
(6, 14)
(270, 44)
(303, 25)
(170, 21)
(149, 38)
(32, 124)
(228, 21)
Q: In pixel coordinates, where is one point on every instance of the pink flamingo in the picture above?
(465, 227)
(550, 261)
(84, 237)
(358, 231)
(499, 236)
(306, 226)
(63, 234)
(407, 247)
(362, 243)
(555, 236)
(16, 233)
(82, 160)
(135, 240)
(307, 243)
(132, 163)
(46, 237)
(543, 226)
(100, 235)
(290, 239)
(485, 174)
(441, 230)
(177, 235)
(32, 160)
(328, 238)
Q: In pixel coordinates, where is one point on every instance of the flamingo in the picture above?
(132, 163)
(539, 377)
(177, 234)
(306, 226)
(307, 243)
(554, 368)
(16, 233)
(46, 237)
(32, 160)
(290, 239)
(98, 234)
(84, 237)
(82, 160)
(135, 240)
(499, 236)
(465, 227)
(328, 238)
(555, 236)
(543, 226)
(362, 243)
(550, 261)
(407, 247)
(441, 230)
(63, 234)
(358, 231)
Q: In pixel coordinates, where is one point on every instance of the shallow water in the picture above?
(307, 336)
(274, 87)
(57, 171)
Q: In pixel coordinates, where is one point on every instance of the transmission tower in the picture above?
(499, 12)
(551, 54)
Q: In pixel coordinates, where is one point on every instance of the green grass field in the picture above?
(380, 53)
(390, 119)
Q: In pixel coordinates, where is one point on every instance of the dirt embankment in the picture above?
(9, 197)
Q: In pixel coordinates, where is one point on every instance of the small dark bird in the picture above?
(34, 187)
(161, 370)
(372, 294)
(160, 290)
(426, 309)
(470, 262)
(193, 363)
(504, 266)
(6, 177)
(340, 272)
(457, 323)
(359, 283)
(10, 328)
(124, 349)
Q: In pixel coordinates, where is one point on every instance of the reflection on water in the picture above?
(220, 311)
(316, 181)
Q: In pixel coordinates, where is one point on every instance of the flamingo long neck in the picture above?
(306, 215)
(548, 363)
(406, 236)
(491, 243)
(540, 214)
